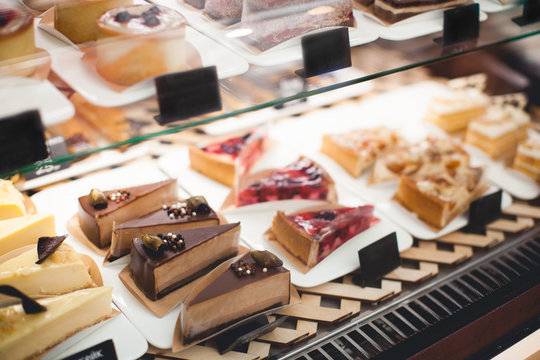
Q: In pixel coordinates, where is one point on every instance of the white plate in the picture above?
(493, 6)
(128, 342)
(22, 94)
(256, 219)
(283, 53)
(419, 25)
(66, 62)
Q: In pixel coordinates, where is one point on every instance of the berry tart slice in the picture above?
(302, 179)
(313, 235)
(222, 161)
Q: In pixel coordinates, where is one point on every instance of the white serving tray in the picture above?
(20, 94)
(283, 53)
(416, 26)
(493, 6)
(66, 62)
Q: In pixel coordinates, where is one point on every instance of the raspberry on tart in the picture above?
(302, 179)
(313, 235)
(223, 161)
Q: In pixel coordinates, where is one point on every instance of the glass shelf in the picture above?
(259, 87)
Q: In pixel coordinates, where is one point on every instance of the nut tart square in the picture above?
(301, 179)
(24, 336)
(439, 195)
(224, 161)
(176, 215)
(408, 160)
(527, 159)
(249, 284)
(100, 209)
(357, 150)
(162, 263)
(312, 235)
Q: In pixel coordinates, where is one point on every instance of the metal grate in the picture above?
(414, 314)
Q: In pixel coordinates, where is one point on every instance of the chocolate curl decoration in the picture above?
(29, 305)
(47, 245)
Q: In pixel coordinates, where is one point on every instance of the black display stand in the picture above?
(460, 24)
(483, 211)
(531, 13)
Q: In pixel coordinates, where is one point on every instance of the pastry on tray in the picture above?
(235, 290)
(273, 22)
(173, 216)
(76, 19)
(440, 193)
(54, 269)
(223, 11)
(499, 131)
(357, 150)
(199, 4)
(11, 201)
(29, 335)
(302, 179)
(407, 160)
(527, 158)
(99, 210)
(162, 263)
(24, 230)
(392, 11)
(225, 160)
(138, 42)
(313, 235)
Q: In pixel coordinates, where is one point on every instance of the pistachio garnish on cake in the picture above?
(241, 287)
(99, 210)
(161, 263)
(177, 215)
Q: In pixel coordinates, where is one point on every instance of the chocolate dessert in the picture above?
(392, 11)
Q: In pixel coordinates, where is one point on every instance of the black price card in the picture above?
(22, 141)
(104, 350)
(460, 24)
(483, 211)
(378, 259)
(531, 13)
(186, 94)
(326, 51)
(57, 148)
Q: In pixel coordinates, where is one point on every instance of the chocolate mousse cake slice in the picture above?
(392, 11)
(244, 286)
(99, 210)
(164, 262)
(173, 216)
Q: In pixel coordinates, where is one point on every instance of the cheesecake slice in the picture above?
(302, 179)
(61, 272)
(163, 263)
(173, 216)
(11, 201)
(99, 210)
(24, 230)
(24, 336)
(241, 287)
(313, 235)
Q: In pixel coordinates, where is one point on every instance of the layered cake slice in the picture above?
(99, 210)
(24, 230)
(357, 150)
(175, 216)
(226, 12)
(311, 236)
(54, 269)
(16, 40)
(164, 262)
(527, 158)
(223, 161)
(235, 290)
(408, 160)
(11, 201)
(392, 11)
(24, 336)
(138, 42)
(302, 179)
(273, 22)
(499, 132)
(439, 194)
